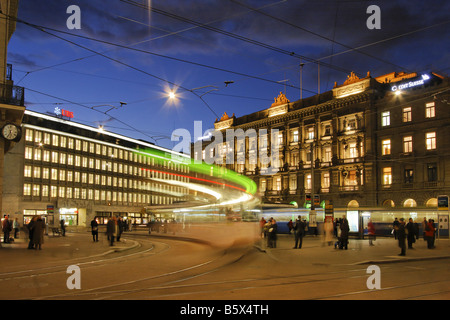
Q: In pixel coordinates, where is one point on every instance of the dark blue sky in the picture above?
(191, 44)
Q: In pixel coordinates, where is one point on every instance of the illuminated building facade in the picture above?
(369, 142)
(66, 170)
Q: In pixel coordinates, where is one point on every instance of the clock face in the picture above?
(10, 131)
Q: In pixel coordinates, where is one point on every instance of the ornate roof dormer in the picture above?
(279, 106)
(224, 122)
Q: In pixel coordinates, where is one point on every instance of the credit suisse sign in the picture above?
(411, 84)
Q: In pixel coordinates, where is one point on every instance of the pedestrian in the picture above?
(299, 232)
(272, 235)
(411, 233)
(343, 240)
(401, 236)
(63, 227)
(290, 226)
(94, 229)
(38, 233)
(6, 227)
(371, 232)
(111, 230)
(424, 226)
(30, 227)
(16, 227)
(262, 224)
(328, 229)
(395, 225)
(430, 234)
(120, 228)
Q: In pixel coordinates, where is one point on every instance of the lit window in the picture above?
(385, 118)
(308, 182)
(430, 140)
(28, 153)
(407, 114)
(55, 140)
(387, 176)
(27, 172)
(27, 189)
(29, 135)
(430, 111)
(37, 172)
(295, 135)
(311, 133)
(386, 147)
(36, 190)
(407, 144)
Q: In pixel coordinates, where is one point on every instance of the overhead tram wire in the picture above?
(233, 35)
(44, 29)
(318, 35)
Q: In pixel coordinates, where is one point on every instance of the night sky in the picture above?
(125, 52)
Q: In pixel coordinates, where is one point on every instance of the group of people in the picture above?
(269, 231)
(36, 229)
(7, 227)
(409, 232)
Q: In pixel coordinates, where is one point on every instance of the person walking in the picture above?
(401, 236)
(120, 228)
(299, 232)
(94, 229)
(38, 233)
(111, 231)
(371, 232)
(343, 240)
(411, 233)
(430, 234)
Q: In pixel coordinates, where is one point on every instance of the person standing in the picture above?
(16, 227)
(30, 227)
(38, 233)
(395, 227)
(401, 236)
(262, 224)
(299, 232)
(424, 227)
(94, 228)
(6, 227)
(273, 234)
(430, 233)
(328, 229)
(120, 228)
(343, 240)
(63, 227)
(411, 233)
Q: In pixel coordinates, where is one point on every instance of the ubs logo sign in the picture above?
(63, 113)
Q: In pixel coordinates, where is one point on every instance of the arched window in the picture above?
(431, 203)
(353, 204)
(410, 203)
(388, 203)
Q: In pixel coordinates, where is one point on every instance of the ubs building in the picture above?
(66, 170)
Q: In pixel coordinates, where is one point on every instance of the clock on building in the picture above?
(11, 132)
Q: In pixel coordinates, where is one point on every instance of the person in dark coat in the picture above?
(63, 227)
(273, 234)
(111, 231)
(30, 228)
(401, 236)
(94, 228)
(299, 232)
(411, 233)
(343, 239)
(38, 233)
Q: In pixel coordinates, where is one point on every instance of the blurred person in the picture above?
(424, 226)
(63, 227)
(38, 233)
(395, 225)
(401, 236)
(411, 233)
(262, 224)
(299, 232)
(111, 230)
(94, 229)
(30, 227)
(290, 226)
(430, 234)
(343, 239)
(120, 228)
(6, 227)
(16, 227)
(273, 234)
(371, 232)
(328, 229)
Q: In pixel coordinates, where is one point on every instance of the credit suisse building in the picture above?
(378, 142)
